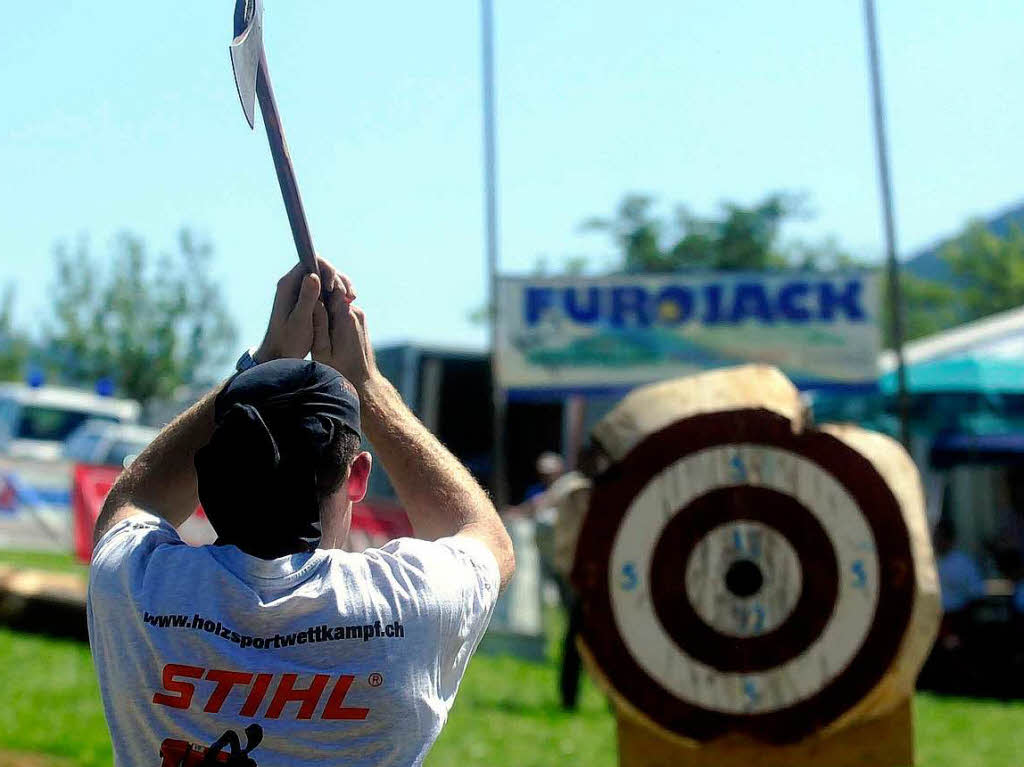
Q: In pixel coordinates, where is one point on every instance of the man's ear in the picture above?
(359, 477)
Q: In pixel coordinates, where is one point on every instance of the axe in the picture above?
(252, 78)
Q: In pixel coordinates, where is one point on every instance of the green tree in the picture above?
(148, 324)
(637, 233)
(14, 345)
(748, 238)
(928, 307)
(989, 268)
(740, 238)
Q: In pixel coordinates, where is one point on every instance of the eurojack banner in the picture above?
(579, 333)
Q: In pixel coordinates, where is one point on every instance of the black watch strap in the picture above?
(246, 361)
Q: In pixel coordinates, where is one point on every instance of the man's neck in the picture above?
(268, 553)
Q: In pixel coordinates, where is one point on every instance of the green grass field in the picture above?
(506, 714)
(42, 560)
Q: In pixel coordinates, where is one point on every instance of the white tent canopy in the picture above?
(998, 335)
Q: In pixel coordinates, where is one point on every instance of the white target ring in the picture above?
(743, 579)
(693, 681)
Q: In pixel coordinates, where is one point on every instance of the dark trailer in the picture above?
(450, 391)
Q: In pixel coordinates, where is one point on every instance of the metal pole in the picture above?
(499, 480)
(895, 294)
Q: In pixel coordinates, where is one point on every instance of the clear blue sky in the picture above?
(122, 115)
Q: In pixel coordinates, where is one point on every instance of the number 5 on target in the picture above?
(630, 579)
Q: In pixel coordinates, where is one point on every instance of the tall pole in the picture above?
(895, 293)
(499, 481)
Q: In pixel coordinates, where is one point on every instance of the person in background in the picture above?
(948, 669)
(959, 575)
(559, 511)
(572, 497)
(550, 467)
(540, 504)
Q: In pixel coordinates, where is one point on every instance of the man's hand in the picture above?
(297, 306)
(343, 341)
(437, 492)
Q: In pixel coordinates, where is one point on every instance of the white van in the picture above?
(105, 443)
(35, 421)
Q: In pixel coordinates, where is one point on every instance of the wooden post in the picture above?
(883, 742)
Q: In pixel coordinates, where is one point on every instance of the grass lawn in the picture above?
(52, 703)
(506, 714)
(43, 560)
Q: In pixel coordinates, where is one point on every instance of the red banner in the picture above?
(89, 488)
(374, 523)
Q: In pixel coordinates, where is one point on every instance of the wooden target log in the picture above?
(742, 576)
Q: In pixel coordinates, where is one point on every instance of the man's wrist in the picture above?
(246, 361)
(379, 402)
(372, 385)
(263, 353)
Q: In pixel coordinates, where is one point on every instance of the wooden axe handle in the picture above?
(285, 171)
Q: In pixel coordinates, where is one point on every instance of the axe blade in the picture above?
(246, 52)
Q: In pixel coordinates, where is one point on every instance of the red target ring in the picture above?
(763, 651)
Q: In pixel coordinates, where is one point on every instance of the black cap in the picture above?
(258, 474)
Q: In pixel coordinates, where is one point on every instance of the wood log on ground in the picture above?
(65, 588)
(41, 601)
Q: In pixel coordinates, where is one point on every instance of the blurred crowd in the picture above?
(980, 647)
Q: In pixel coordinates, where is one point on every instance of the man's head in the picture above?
(550, 467)
(283, 467)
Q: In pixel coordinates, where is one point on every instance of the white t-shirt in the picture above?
(341, 659)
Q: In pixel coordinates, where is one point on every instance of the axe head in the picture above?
(246, 53)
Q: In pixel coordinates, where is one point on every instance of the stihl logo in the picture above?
(179, 692)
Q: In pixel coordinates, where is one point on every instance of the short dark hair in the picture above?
(334, 464)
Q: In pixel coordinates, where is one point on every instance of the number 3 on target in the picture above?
(630, 579)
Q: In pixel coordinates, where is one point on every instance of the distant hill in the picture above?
(927, 264)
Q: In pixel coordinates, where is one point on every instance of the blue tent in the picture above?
(956, 448)
(970, 407)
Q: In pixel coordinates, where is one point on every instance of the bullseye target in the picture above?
(737, 576)
(743, 578)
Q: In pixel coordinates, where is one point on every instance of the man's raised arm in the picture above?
(162, 480)
(438, 493)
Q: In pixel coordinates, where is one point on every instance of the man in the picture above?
(274, 647)
(562, 506)
(960, 578)
(540, 504)
(559, 510)
(949, 667)
(569, 495)
(550, 467)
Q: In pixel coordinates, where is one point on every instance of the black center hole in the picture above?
(744, 578)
